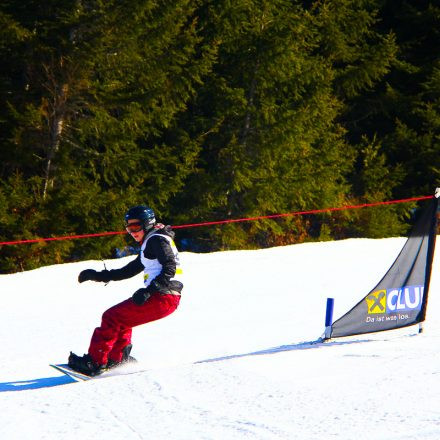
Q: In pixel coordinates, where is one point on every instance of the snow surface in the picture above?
(233, 362)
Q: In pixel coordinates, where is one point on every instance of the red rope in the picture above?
(66, 237)
(221, 222)
(313, 211)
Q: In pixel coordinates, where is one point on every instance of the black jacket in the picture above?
(158, 248)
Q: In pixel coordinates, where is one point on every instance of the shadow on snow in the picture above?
(34, 384)
(291, 347)
(48, 382)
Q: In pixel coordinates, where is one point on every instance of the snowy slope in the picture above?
(233, 362)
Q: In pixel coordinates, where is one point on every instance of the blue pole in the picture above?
(329, 318)
(329, 312)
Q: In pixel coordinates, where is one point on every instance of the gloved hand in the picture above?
(158, 286)
(141, 295)
(92, 275)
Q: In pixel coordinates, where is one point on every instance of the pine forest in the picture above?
(210, 110)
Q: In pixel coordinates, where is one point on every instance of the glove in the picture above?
(158, 286)
(141, 295)
(92, 275)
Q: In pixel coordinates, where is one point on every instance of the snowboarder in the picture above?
(159, 260)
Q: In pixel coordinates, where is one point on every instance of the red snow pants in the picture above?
(114, 335)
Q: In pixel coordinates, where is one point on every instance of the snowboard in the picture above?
(124, 369)
(76, 375)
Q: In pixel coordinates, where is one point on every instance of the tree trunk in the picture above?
(56, 124)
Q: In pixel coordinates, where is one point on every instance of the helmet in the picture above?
(142, 213)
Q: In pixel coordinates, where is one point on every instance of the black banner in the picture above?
(400, 299)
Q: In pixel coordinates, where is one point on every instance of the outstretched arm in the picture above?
(129, 270)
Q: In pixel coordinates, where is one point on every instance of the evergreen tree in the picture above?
(270, 113)
(362, 52)
(208, 110)
(88, 124)
(374, 181)
(401, 109)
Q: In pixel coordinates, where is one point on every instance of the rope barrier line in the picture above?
(66, 237)
(221, 222)
(313, 211)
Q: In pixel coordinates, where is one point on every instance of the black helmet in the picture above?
(142, 213)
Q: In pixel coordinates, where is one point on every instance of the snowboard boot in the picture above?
(84, 364)
(126, 358)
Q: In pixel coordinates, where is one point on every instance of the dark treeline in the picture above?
(213, 109)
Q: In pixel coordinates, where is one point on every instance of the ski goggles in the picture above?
(134, 227)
